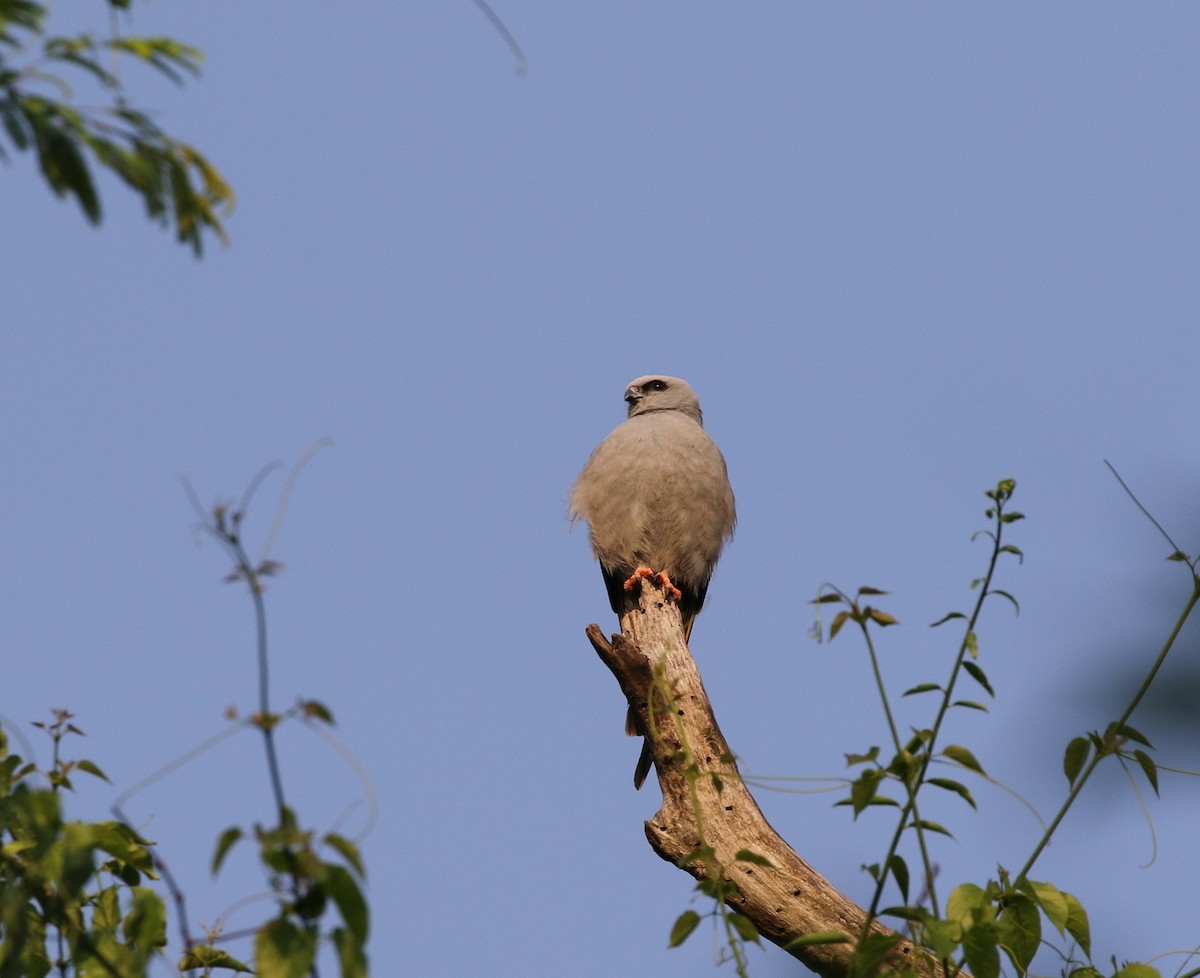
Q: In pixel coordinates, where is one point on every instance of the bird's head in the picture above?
(657, 392)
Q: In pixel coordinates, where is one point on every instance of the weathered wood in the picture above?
(790, 899)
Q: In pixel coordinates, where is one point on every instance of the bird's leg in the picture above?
(635, 579)
(661, 578)
(664, 579)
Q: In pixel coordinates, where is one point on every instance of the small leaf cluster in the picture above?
(73, 897)
(978, 928)
(854, 610)
(737, 927)
(1082, 750)
(982, 923)
(906, 768)
(176, 182)
(307, 885)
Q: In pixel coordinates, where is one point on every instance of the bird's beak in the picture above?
(632, 396)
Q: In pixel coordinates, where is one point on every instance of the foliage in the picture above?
(83, 899)
(73, 895)
(39, 112)
(978, 928)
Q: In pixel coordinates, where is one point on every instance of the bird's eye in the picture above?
(656, 385)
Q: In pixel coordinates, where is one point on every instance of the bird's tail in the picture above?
(643, 766)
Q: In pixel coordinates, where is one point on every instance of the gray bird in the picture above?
(656, 497)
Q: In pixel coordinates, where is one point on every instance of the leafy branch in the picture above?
(1084, 754)
(178, 185)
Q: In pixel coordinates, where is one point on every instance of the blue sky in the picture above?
(901, 251)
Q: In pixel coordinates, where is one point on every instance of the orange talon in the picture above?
(670, 588)
(636, 577)
(662, 579)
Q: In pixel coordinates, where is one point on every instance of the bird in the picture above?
(658, 504)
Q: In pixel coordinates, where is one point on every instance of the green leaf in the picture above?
(107, 914)
(972, 644)
(1054, 903)
(224, 844)
(1075, 757)
(928, 826)
(745, 927)
(348, 851)
(349, 899)
(81, 52)
(702, 854)
(882, 801)
(1077, 923)
(881, 617)
(209, 957)
(871, 950)
(979, 944)
(62, 162)
(683, 927)
(904, 765)
(1136, 969)
(162, 53)
(913, 914)
(918, 740)
(283, 950)
(16, 126)
(970, 705)
(923, 688)
(871, 591)
(1020, 930)
(746, 856)
(956, 787)
(899, 871)
(76, 864)
(127, 847)
(943, 936)
(351, 956)
(978, 675)
(145, 925)
(1005, 594)
(817, 937)
(949, 617)
(1129, 733)
(315, 708)
(867, 758)
(836, 625)
(964, 901)
(962, 756)
(864, 788)
(91, 769)
(1149, 768)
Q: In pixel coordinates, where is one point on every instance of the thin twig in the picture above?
(281, 508)
(522, 61)
(1145, 512)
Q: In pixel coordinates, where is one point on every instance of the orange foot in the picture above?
(662, 578)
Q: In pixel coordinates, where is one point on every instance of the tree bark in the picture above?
(786, 900)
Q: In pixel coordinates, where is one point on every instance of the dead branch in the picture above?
(789, 899)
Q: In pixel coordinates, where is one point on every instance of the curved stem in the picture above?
(910, 807)
(1098, 755)
(266, 720)
(913, 785)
